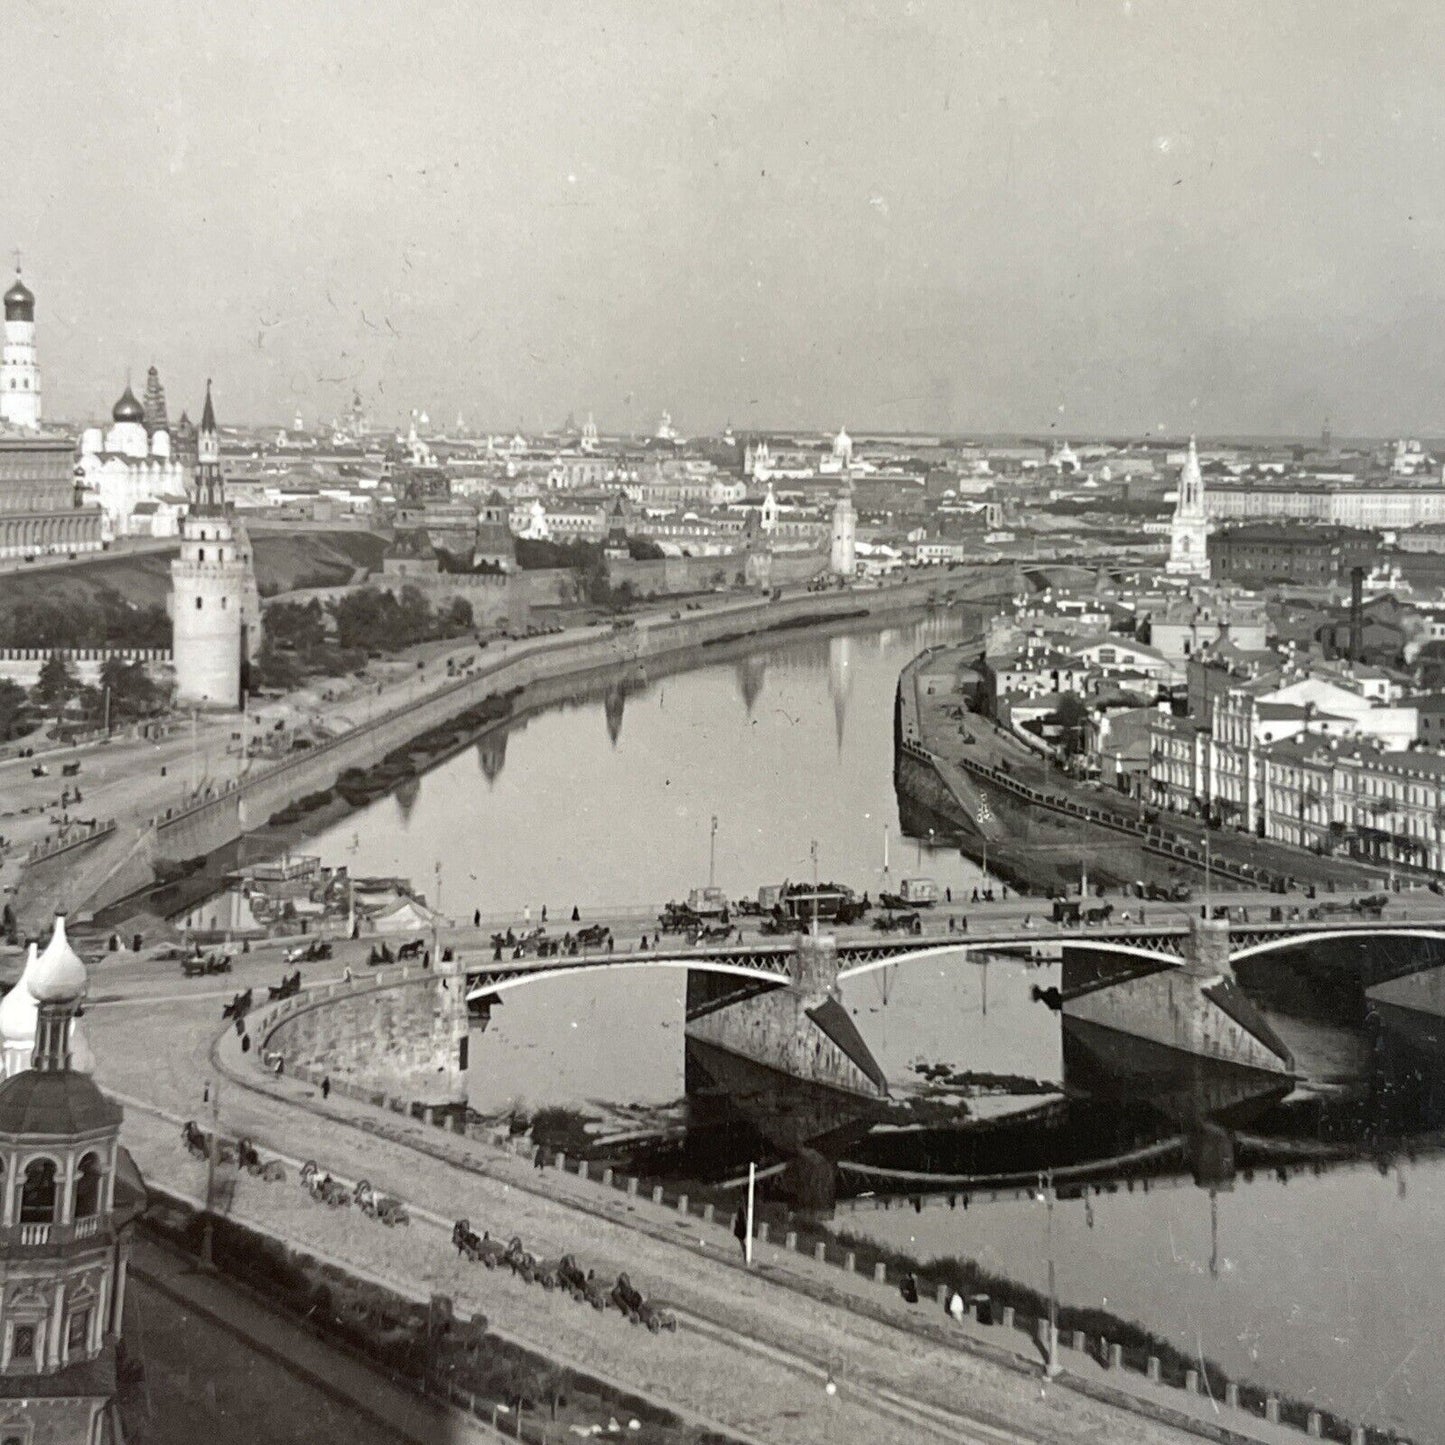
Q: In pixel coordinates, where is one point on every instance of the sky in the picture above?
(1078, 218)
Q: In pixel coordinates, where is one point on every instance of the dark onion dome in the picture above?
(63, 1103)
(128, 408)
(19, 301)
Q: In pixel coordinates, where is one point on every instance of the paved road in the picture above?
(752, 1365)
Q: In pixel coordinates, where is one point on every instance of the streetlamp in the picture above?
(712, 853)
(1046, 1195)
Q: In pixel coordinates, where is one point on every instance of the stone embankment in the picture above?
(115, 864)
(967, 792)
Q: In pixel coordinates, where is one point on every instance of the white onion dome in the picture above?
(60, 975)
(18, 1009)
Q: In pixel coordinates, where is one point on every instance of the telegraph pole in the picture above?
(712, 853)
(1051, 1363)
(208, 1236)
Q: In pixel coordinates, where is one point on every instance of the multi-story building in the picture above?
(1264, 552)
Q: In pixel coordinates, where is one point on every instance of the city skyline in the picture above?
(1147, 219)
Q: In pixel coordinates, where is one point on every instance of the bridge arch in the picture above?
(1297, 940)
(936, 949)
(568, 968)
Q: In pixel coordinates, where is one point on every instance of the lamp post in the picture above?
(813, 850)
(1051, 1361)
(208, 1234)
(712, 853)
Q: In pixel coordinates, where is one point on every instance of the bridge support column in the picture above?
(1206, 949)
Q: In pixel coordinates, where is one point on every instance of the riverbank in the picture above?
(1049, 832)
(95, 875)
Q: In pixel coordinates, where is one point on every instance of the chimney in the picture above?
(1357, 614)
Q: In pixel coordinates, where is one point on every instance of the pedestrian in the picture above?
(609, 943)
(644, 943)
(908, 1288)
(656, 939)
(950, 923)
(539, 1161)
(326, 1087)
(544, 913)
(346, 974)
(476, 918)
(956, 1307)
(740, 1229)
(948, 894)
(426, 958)
(576, 916)
(975, 895)
(206, 1093)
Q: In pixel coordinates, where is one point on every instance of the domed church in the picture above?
(67, 1192)
(131, 469)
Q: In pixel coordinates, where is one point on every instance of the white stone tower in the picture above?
(209, 588)
(19, 368)
(1189, 530)
(842, 551)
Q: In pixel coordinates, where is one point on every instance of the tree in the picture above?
(1069, 717)
(12, 709)
(56, 684)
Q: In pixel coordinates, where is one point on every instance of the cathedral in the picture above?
(215, 606)
(1189, 529)
(70, 1191)
(133, 470)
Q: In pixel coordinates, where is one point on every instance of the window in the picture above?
(201, 554)
(23, 1347)
(77, 1331)
(88, 1180)
(198, 604)
(38, 1193)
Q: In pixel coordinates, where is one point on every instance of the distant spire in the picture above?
(208, 416)
(154, 403)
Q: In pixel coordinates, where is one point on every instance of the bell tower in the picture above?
(19, 365)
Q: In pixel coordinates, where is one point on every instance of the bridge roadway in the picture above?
(755, 1346)
(1009, 924)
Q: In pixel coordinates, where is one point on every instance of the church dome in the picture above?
(54, 1103)
(59, 975)
(18, 1009)
(127, 408)
(19, 302)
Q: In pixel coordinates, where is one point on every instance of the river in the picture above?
(1323, 1287)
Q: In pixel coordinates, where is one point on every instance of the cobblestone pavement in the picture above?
(757, 1369)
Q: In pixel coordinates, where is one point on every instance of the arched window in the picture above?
(198, 604)
(201, 554)
(89, 1179)
(38, 1192)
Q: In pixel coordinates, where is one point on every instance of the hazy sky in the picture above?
(929, 213)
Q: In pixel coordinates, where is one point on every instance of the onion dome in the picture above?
(18, 1009)
(128, 408)
(59, 975)
(19, 301)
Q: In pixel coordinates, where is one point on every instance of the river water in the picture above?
(1324, 1287)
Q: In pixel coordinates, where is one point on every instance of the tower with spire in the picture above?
(215, 609)
(1189, 529)
(19, 364)
(842, 545)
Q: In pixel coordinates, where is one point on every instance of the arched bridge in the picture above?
(755, 958)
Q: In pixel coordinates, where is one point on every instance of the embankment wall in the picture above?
(403, 1037)
(546, 669)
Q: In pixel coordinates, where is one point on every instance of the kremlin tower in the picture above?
(19, 368)
(215, 610)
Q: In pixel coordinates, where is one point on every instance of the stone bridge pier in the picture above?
(403, 1037)
(790, 1057)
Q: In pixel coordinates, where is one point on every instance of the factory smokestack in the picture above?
(1357, 614)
